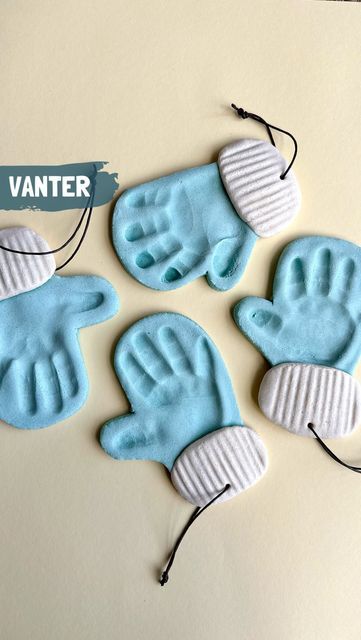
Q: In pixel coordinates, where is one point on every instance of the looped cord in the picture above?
(330, 453)
(88, 209)
(242, 113)
(165, 575)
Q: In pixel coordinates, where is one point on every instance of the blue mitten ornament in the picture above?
(42, 374)
(183, 410)
(205, 220)
(183, 414)
(311, 336)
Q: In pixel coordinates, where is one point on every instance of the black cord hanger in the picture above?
(165, 575)
(331, 453)
(88, 210)
(242, 113)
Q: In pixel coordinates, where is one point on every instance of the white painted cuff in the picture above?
(294, 395)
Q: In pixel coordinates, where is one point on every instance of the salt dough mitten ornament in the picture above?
(206, 220)
(183, 413)
(42, 374)
(311, 336)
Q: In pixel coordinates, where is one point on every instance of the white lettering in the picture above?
(14, 185)
(55, 182)
(82, 182)
(49, 186)
(40, 186)
(27, 188)
(67, 186)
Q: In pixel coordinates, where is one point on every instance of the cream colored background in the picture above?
(146, 86)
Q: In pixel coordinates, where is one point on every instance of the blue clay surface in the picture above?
(172, 230)
(178, 388)
(42, 374)
(315, 314)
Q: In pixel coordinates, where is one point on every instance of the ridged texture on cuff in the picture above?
(234, 455)
(250, 171)
(293, 395)
(20, 273)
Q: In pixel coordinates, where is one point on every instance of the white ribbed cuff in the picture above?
(20, 273)
(232, 455)
(250, 171)
(294, 395)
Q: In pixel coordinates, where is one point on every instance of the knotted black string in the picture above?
(245, 114)
(165, 575)
(88, 209)
(330, 453)
(82, 238)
